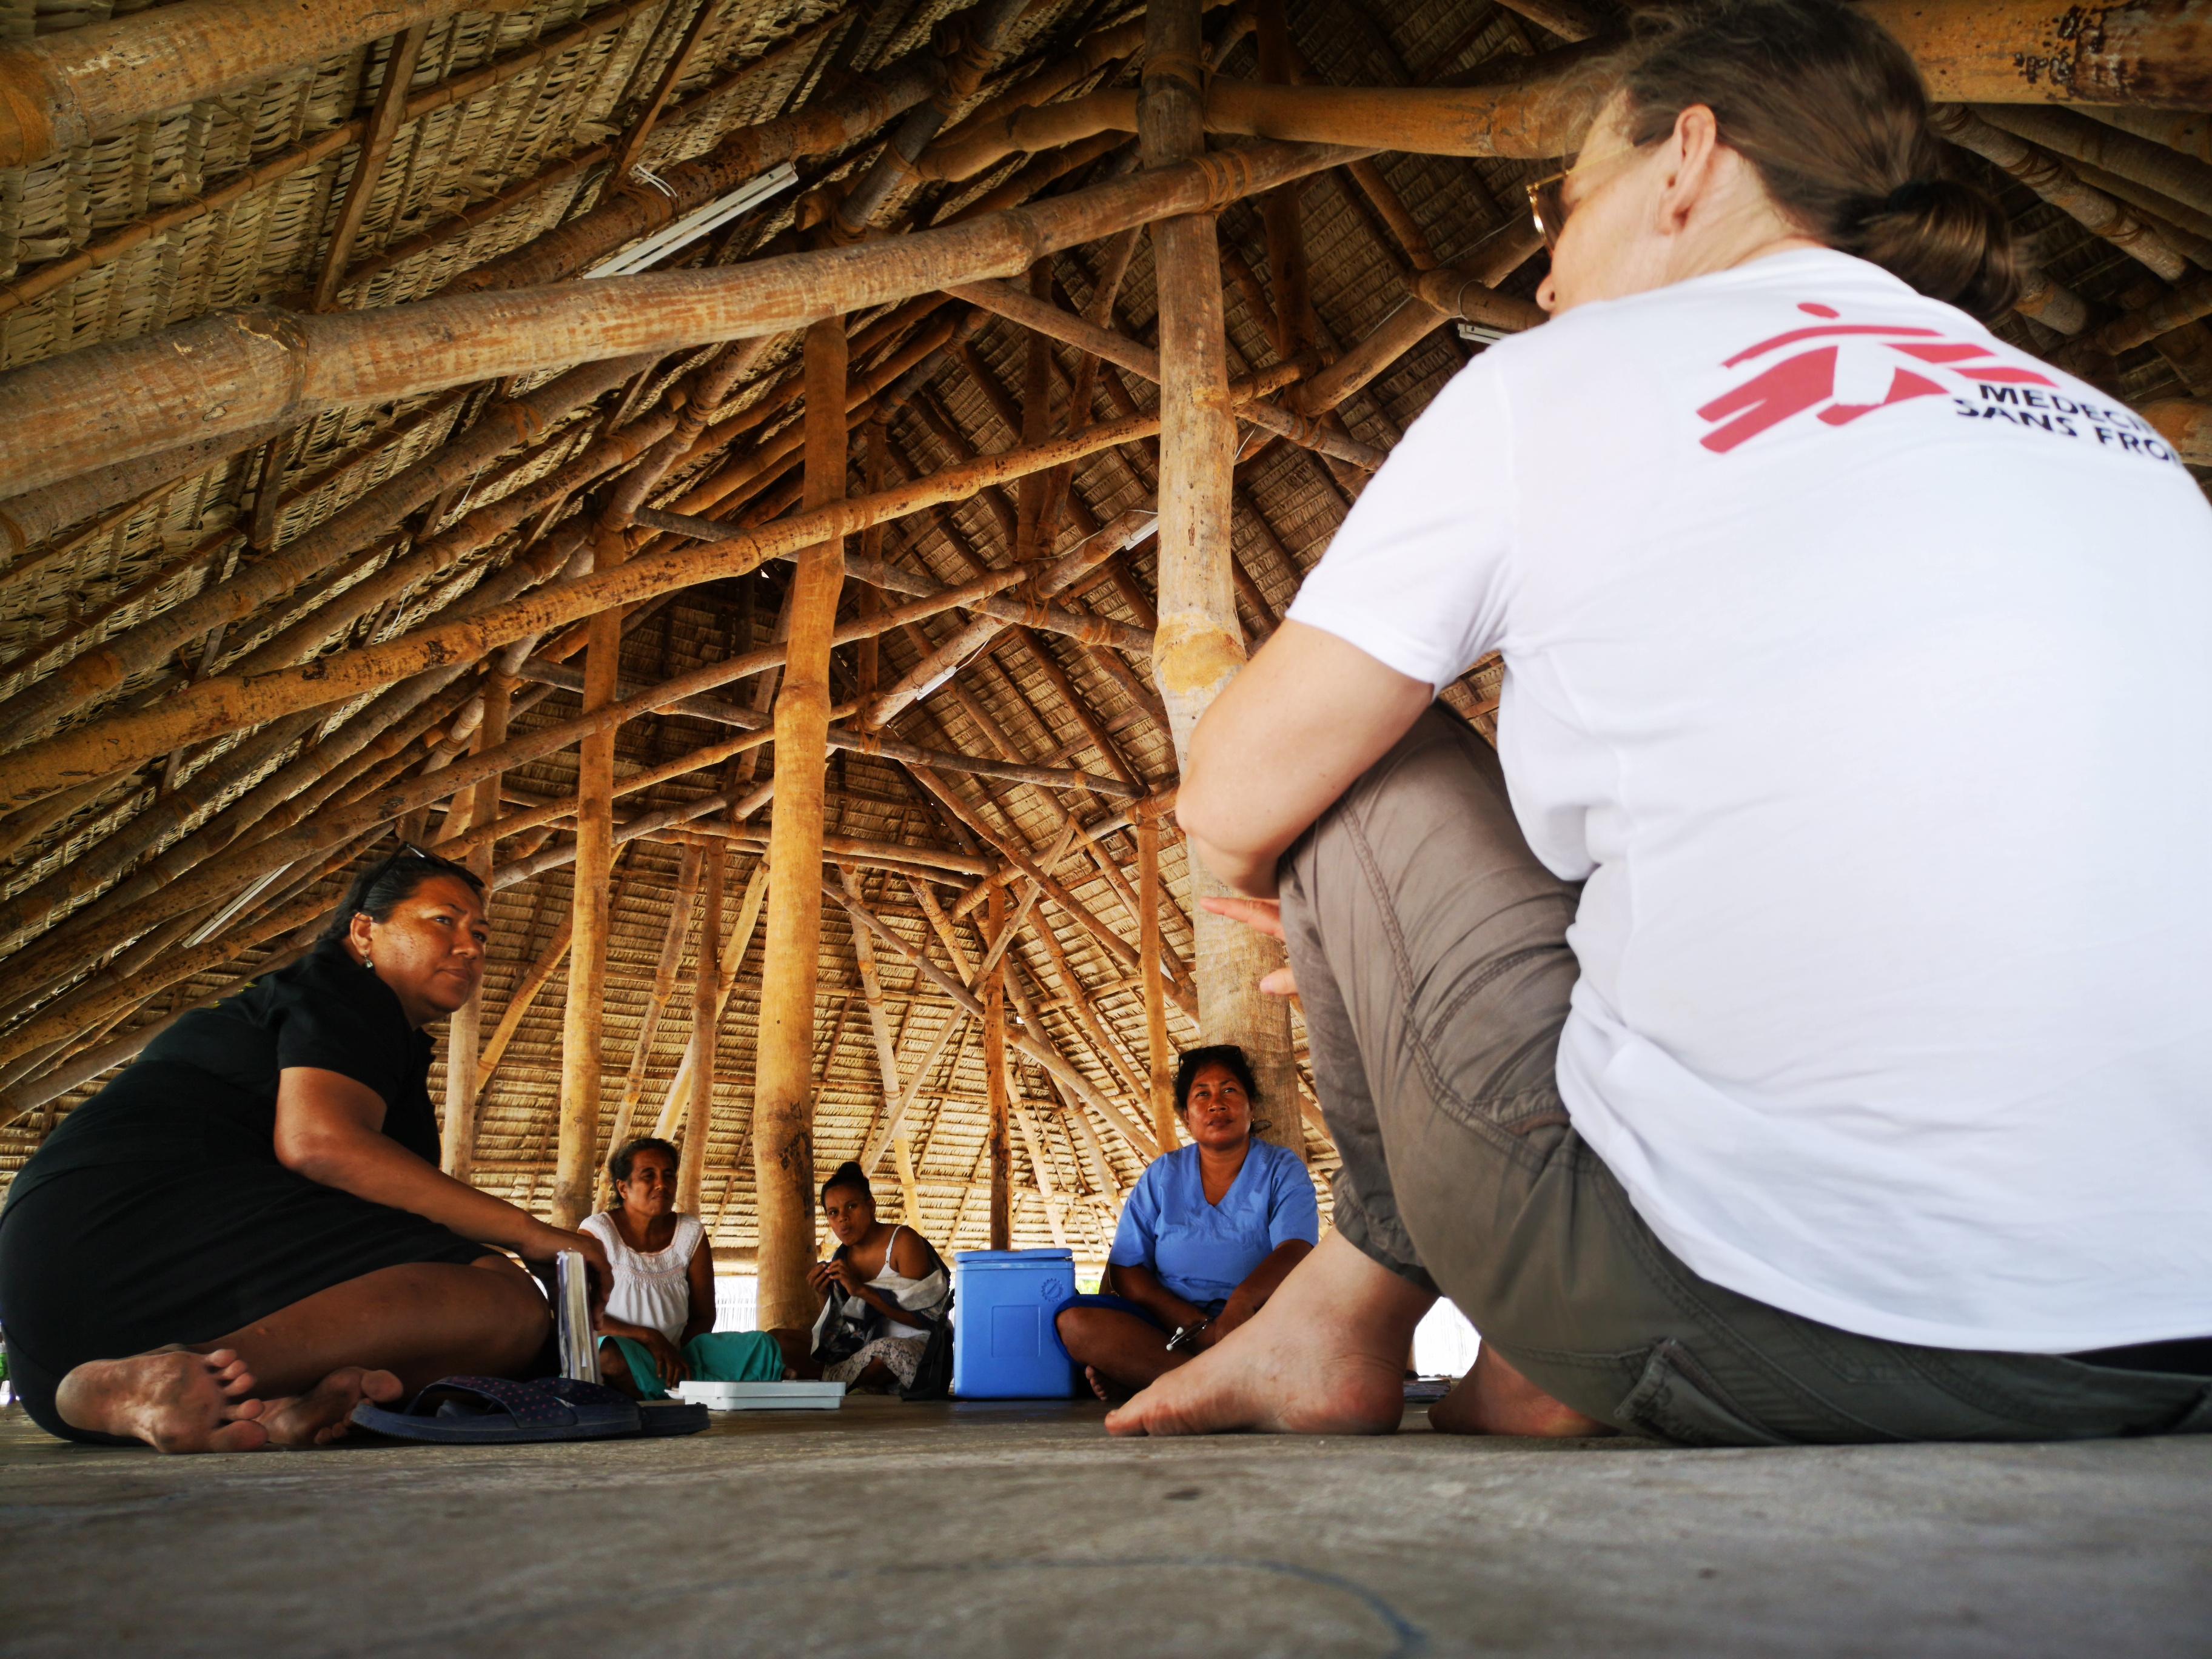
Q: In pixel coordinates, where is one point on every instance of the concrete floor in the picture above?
(982, 1531)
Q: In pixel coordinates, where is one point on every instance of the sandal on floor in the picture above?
(660, 1418)
(491, 1411)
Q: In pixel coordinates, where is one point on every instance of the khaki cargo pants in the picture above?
(1430, 952)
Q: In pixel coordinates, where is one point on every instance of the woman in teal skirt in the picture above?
(658, 1327)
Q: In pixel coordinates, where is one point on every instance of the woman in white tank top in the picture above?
(658, 1329)
(892, 1271)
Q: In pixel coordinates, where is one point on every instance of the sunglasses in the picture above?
(1547, 197)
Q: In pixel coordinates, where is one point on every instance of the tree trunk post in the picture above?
(783, 1112)
(995, 1077)
(1199, 646)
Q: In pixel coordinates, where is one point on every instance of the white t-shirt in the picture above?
(1863, 666)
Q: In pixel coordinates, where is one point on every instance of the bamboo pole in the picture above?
(893, 1134)
(2186, 423)
(725, 979)
(226, 703)
(505, 426)
(2183, 179)
(1030, 1040)
(674, 931)
(1199, 646)
(67, 88)
(894, 1093)
(705, 1009)
(783, 1114)
(1045, 318)
(2060, 185)
(1047, 1186)
(1161, 1093)
(1296, 329)
(1125, 530)
(237, 369)
(969, 43)
(384, 123)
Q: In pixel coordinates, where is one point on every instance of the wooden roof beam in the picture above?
(69, 87)
(230, 370)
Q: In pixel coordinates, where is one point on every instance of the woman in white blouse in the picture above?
(658, 1329)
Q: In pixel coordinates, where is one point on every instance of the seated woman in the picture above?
(1210, 1231)
(658, 1329)
(246, 1233)
(886, 1284)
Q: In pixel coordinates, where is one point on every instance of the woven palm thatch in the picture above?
(508, 130)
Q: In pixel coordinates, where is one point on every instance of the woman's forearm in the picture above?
(1142, 1286)
(373, 1167)
(623, 1327)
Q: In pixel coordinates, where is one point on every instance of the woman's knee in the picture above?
(1078, 1329)
(517, 1311)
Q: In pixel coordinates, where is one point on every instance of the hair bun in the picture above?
(1947, 240)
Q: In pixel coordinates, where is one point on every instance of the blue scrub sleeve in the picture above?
(1292, 1211)
(1137, 1236)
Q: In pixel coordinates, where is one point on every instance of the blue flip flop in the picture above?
(491, 1411)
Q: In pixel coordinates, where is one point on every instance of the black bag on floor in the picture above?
(932, 1377)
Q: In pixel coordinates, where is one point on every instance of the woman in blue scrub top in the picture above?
(1211, 1229)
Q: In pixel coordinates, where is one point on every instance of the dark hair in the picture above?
(1831, 111)
(381, 887)
(848, 1174)
(618, 1165)
(1213, 1054)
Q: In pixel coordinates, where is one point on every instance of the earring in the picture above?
(366, 960)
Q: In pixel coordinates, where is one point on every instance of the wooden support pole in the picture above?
(582, 1027)
(706, 1011)
(1199, 647)
(783, 1109)
(995, 1080)
(1161, 1094)
(674, 931)
(733, 958)
(465, 1029)
(1048, 1185)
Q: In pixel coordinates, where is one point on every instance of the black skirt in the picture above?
(157, 1212)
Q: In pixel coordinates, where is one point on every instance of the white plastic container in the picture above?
(763, 1396)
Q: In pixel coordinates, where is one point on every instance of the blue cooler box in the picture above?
(1003, 1345)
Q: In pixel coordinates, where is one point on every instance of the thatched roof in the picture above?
(509, 125)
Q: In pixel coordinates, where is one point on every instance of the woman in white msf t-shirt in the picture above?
(1800, 1028)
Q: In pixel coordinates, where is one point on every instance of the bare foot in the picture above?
(320, 1415)
(1099, 1386)
(1278, 1377)
(172, 1399)
(1495, 1399)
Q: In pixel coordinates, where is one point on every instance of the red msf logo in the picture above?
(1807, 379)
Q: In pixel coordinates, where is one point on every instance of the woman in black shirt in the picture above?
(246, 1233)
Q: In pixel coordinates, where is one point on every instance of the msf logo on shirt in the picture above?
(1845, 372)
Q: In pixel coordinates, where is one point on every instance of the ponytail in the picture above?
(1830, 109)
